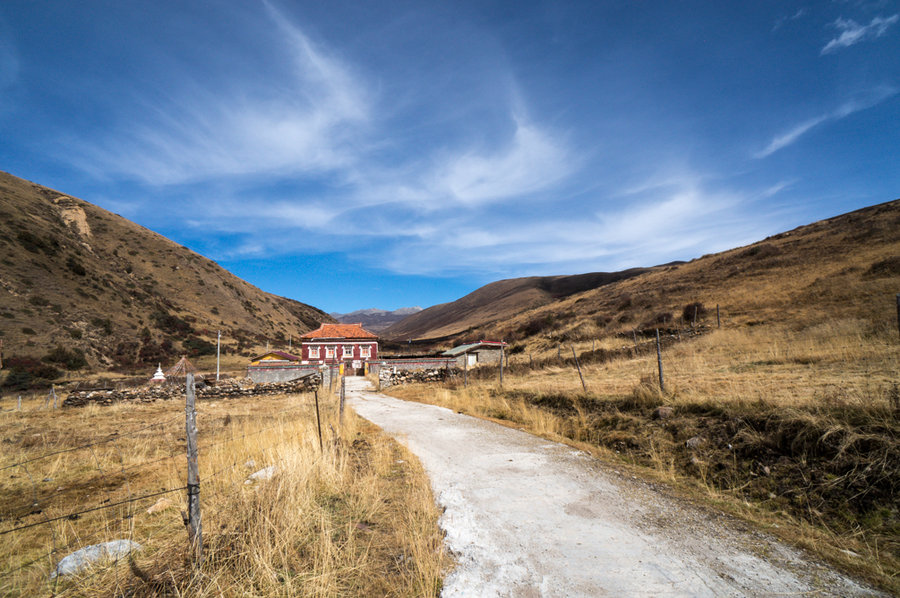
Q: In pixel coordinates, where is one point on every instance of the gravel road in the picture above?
(528, 517)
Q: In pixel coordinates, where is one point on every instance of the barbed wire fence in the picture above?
(32, 517)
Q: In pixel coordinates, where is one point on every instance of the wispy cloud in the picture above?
(801, 12)
(681, 221)
(533, 160)
(852, 32)
(863, 102)
(306, 123)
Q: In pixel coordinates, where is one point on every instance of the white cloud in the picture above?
(684, 221)
(852, 32)
(533, 160)
(863, 102)
(307, 123)
(801, 12)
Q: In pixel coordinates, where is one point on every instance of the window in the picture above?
(329, 352)
(348, 351)
(313, 352)
(365, 351)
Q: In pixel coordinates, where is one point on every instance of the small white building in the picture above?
(473, 354)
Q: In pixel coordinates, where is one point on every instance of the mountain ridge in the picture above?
(78, 276)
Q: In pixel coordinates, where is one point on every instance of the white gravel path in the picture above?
(528, 517)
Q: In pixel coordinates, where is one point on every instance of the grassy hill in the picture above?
(497, 301)
(82, 288)
(843, 267)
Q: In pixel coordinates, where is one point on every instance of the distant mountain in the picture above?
(497, 301)
(374, 319)
(77, 276)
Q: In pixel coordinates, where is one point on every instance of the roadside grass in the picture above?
(797, 430)
(356, 519)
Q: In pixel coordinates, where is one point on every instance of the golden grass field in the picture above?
(797, 429)
(355, 520)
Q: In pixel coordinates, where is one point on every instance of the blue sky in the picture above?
(385, 154)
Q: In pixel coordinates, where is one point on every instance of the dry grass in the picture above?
(797, 429)
(358, 519)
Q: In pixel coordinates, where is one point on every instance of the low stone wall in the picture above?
(221, 390)
(389, 377)
(421, 364)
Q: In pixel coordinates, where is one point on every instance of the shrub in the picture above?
(27, 372)
(75, 266)
(663, 317)
(74, 333)
(197, 346)
(28, 330)
(171, 323)
(38, 300)
(69, 359)
(687, 314)
(33, 243)
(104, 324)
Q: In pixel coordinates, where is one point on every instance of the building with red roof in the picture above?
(350, 344)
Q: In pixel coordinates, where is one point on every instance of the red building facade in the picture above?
(339, 343)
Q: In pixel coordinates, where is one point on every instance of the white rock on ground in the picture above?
(96, 553)
(265, 473)
(528, 517)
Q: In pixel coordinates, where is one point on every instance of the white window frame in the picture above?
(329, 352)
(314, 352)
(345, 353)
(365, 351)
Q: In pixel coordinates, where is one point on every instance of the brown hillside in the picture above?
(844, 267)
(77, 276)
(499, 301)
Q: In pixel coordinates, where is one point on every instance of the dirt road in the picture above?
(529, 517)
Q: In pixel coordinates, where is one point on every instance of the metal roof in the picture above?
(466, 348)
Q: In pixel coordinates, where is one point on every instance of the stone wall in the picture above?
(268, 374)
(389, 377)
(205, 390)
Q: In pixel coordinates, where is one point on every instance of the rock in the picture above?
(695, 442)
(160, 505)
(265, 473)
(663, 412)
(89, 555)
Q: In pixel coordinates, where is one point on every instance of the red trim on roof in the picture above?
(340, 331)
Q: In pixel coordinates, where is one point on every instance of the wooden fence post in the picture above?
(341, 418)
(19, 407)
(634, 336)
(694, 322)
(578, 365)
(218, 351)
(898, 312)
(195, 527)
(318, 420)
(718, 320)
(501, 366)
(662, 386)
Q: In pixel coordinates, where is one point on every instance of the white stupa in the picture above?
(158, 376)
